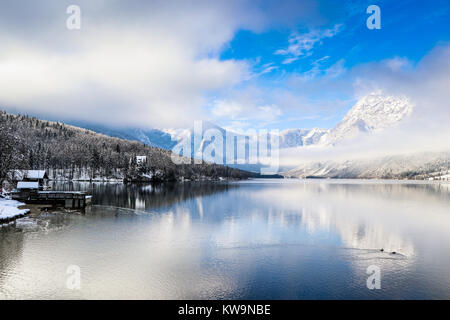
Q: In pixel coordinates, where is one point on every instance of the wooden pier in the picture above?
(65, 199)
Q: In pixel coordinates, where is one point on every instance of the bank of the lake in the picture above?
(11, 210)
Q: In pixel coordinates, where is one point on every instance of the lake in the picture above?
(256, 239)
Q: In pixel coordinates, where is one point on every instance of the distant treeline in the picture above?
(69, 152)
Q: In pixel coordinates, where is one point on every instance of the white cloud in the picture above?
(318, 69)
(243, 109)
(148, 78)
(336, 70)
(289, 60)
(303, 44)
(229, 109)
(138, 63)
(149, 74)
(425, 130)
(397, 63)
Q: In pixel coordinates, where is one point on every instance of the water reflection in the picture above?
(258, 239)
(143, 196)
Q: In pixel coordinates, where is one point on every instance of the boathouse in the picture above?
(31, 179)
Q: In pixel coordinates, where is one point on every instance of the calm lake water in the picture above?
(259, 239)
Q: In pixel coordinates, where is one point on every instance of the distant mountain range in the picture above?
(370, 115)
(152, 137)
(68, 152)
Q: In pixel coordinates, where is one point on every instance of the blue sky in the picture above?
(239, 63)
(409, 30)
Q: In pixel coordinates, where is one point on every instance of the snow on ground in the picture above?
(10, 209)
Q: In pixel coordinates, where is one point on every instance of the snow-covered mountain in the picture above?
(300, 137)
(435, 166)
(373, 113)
(168, 138)
(370, 115)
(152, 137)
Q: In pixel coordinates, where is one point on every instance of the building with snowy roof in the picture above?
(30, 179)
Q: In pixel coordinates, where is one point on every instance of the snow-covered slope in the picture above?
(152, 137)
(300, 137)
(314, 136)
(373, 113)
(10, 209)
(413, 166)
(292, 137)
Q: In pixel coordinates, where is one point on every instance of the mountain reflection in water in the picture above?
(263, 239)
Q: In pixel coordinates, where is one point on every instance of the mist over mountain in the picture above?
(433, 166)
(152, 137)
(372, 116)
(68, 152)
(365, 144)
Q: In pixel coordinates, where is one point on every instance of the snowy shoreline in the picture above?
(9, 210)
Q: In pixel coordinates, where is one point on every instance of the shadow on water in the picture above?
(145, 196)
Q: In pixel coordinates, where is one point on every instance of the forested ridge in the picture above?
(69, 152)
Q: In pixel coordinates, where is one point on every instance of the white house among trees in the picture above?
(141, 159)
